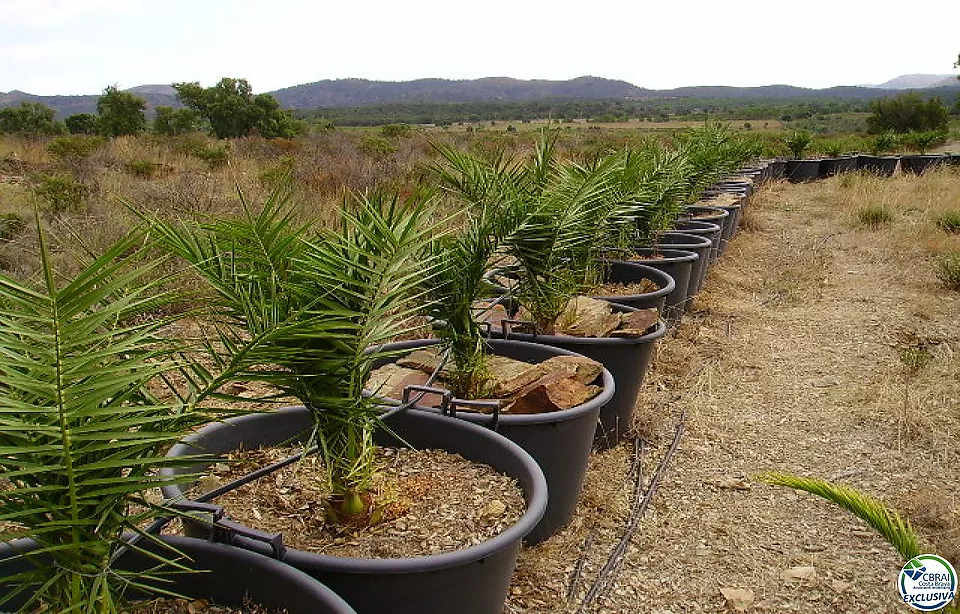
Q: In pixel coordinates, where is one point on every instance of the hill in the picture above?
(361, 92)
(914, 82)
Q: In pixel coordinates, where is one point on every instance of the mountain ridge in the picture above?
(356, 92)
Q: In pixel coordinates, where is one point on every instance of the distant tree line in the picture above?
(228, 109)
(445, 113)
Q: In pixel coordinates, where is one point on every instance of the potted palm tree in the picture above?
(798, 169)
(922, 162)
(87, 409)
(310, 315)
(562, 217)
(876, 162)
(559, 439)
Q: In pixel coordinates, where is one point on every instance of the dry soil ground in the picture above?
(819, 347)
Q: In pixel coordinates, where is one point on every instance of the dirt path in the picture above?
(795, 359)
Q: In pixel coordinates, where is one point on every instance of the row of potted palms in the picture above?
(92, 394)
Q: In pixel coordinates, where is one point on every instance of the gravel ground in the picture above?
(818, 347)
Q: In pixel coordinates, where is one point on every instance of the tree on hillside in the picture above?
(174, 122)
(121, 113)
(30, 119)
(82, 123)
(907, 112)
(233, 111)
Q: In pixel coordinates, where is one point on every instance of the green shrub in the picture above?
(949, 221)
(215, 156)
(377, 147)
(392, 131)
(874, 216)
(798, 142)
(73, 147)
(11, 225)
(922, 141)
(144, 169)
(60, 193)
(907, 112)
(948, 270)
(883, 142)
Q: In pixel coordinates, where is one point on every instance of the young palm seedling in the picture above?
(798, 142)
(307, 313)
(85, 417)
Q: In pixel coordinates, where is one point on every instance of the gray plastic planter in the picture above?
(708, 230)
(699, 245)
(226, 575)
(473, 580)
(559, 441)
(678, 264)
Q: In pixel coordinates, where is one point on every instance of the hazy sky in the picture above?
(80, 46)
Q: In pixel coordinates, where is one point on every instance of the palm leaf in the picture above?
(885, 521)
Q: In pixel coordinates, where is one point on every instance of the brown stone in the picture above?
(588, 317)
(581, 368)
(422, 360)
(551, 392)
(492, 314)
(390, 380)
(636, 323)
(507, 376)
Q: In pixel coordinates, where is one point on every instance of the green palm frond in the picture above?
(81, 434)
(306, 314)
(885, 521)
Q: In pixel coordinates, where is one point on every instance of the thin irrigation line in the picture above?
(616, 558)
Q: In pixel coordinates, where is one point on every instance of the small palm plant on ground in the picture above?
(797, 143)
(882, 519)
(85, 417)
(305, 312)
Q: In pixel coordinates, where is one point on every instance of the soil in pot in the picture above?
(426, 502)
(193, 606)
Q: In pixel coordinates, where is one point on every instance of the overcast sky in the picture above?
(81, 46)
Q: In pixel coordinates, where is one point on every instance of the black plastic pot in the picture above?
(955, 159)
(920, 164)
(474, 580)
(226, 575)
(627, 361)
(836, 166)
(799, 171)
(699, 245)
(679, 265)
(559, 441)
(882, 166)
(778, 169)
(709, 230)
(714, 215)
(628, 271)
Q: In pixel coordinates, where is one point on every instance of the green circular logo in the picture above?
(927, 582)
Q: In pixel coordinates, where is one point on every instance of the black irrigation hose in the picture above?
(635, 469)
(615, 560)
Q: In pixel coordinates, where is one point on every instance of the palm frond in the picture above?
(884, 520)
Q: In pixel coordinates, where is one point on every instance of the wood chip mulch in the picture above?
(431, 502)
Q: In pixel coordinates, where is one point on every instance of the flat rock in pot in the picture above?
(636, 323)
(391, 379)
(492, 314)
(421, 360)
(552, 393)
(508, 376)
(588, 317)
(580, 368)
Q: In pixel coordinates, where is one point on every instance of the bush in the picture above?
(377, 147)
(142, 168)
(884, 142)
(948, 270)
(874, 216)
(394, 131)
(82, 123)
(11, 225)
(30, 119)
(949, 221)
(907, 112)
(921, 141)
(73, 147)
(174, 122)
(215, 156)
(60, 193)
